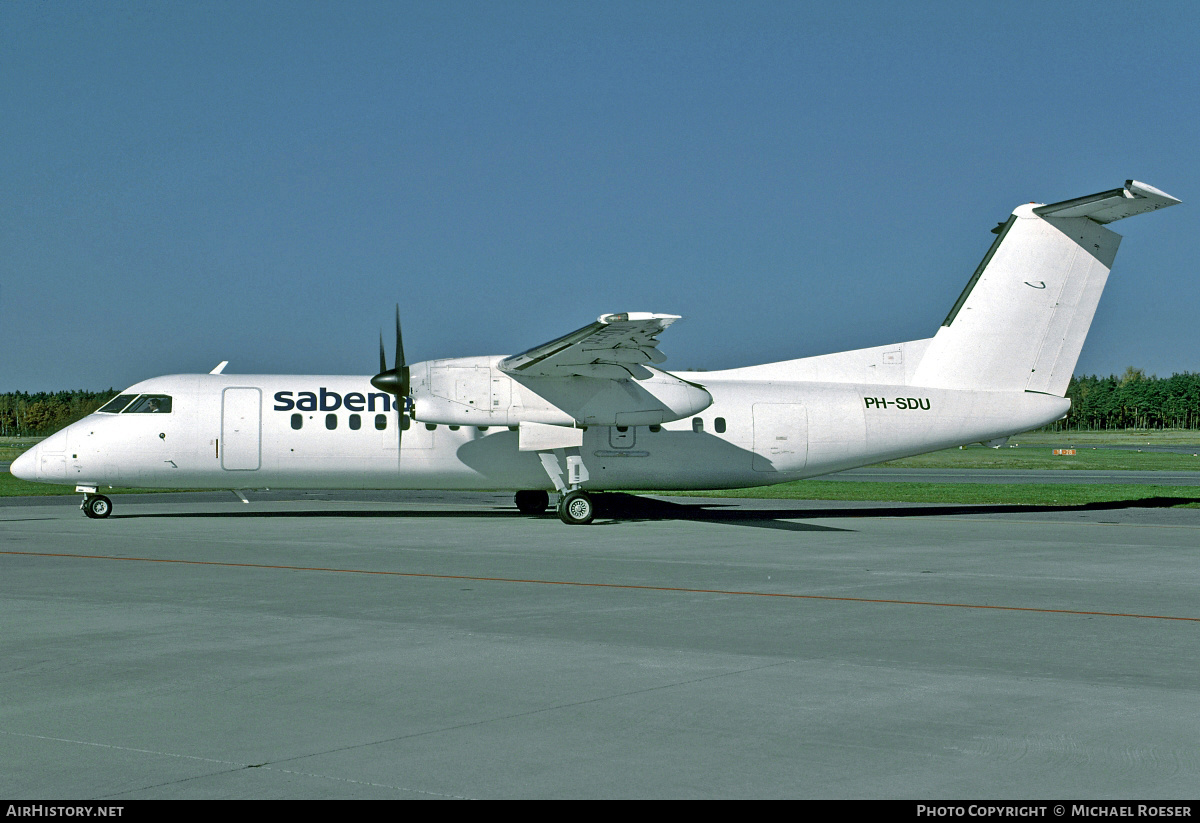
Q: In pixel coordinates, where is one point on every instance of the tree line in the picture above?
(28, 415)
(1130, 401)
(1133, 401)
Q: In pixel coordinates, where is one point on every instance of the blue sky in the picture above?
(185, 183)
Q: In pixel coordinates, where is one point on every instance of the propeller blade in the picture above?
(401, 364)
(395, 381)
(399, 341)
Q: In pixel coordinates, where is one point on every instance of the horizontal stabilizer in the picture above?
(1107, 206)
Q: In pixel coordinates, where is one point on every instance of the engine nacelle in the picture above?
(472, 391)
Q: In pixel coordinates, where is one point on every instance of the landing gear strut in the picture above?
(96, 506)
(532, 501)
(575, 508)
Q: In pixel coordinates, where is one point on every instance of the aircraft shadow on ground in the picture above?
(616, 508)
(627, 507)
(611, 512)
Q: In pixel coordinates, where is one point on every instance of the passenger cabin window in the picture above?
(719, 425)
(355, 422)
(297, 421)
(331, 421)
(381, 421)
(149, 404)
(697, 424)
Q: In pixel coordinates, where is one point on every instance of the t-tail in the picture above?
(1020, 323)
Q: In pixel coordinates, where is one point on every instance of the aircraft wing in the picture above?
(616, 346)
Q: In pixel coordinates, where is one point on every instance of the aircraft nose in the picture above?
(25, 466)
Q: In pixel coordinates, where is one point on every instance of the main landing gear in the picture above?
(532, 501)
(96, 506)
(575, 508)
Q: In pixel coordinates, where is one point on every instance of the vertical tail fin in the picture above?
(1021, 321)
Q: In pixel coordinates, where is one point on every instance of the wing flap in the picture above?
(615, 347)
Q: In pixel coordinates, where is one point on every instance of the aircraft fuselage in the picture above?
(303, 431)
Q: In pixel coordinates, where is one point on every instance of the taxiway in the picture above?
(440, 645)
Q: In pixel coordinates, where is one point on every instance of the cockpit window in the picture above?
(116, 404)
(150, 404)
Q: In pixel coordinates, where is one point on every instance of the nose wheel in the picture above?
(576, 508)
(96, 506)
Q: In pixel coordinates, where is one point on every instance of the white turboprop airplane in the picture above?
(587, 411)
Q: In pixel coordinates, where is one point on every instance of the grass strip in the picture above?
(1029, 494)
(13, 487)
